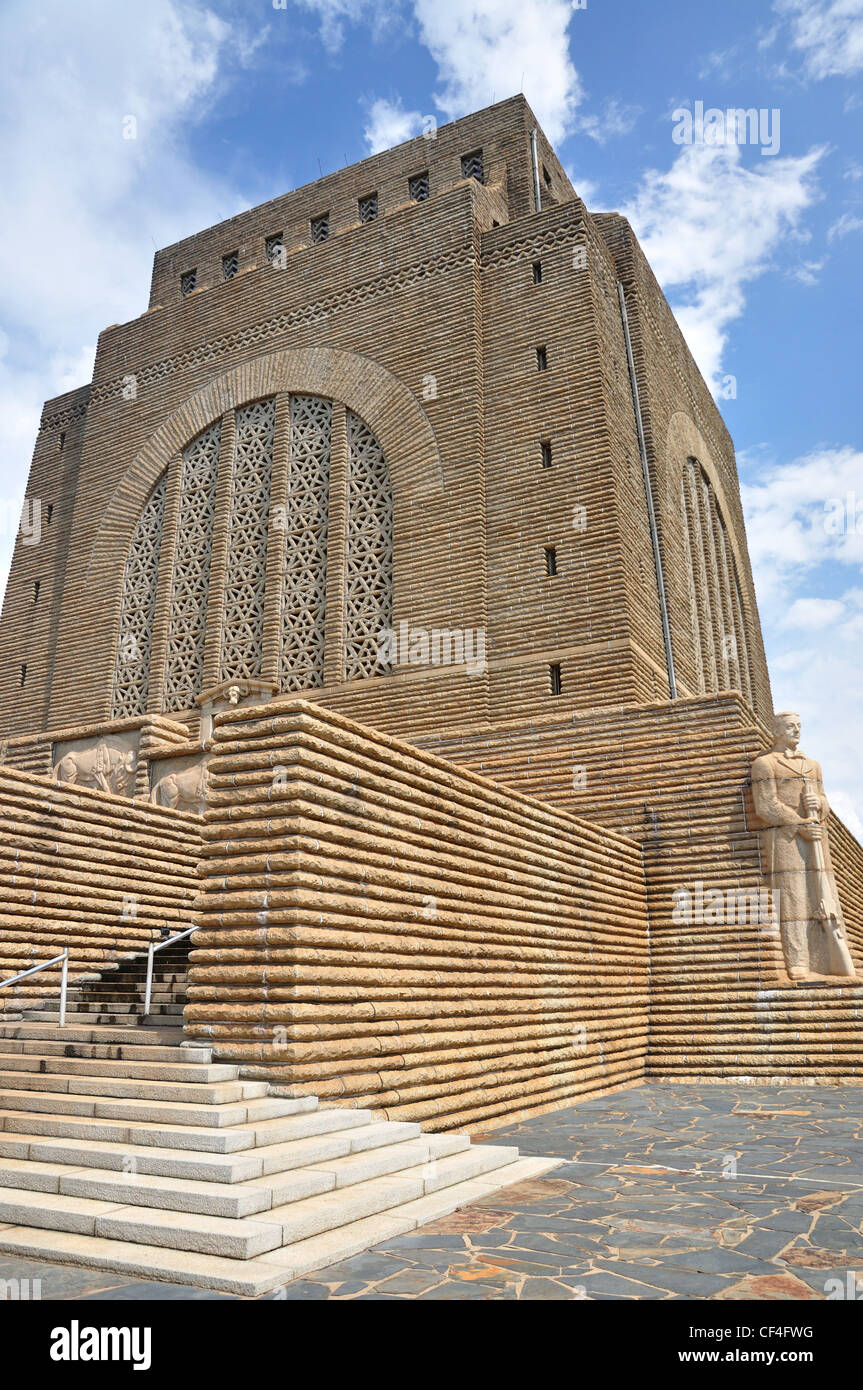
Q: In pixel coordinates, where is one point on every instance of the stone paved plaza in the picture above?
(664, 1192)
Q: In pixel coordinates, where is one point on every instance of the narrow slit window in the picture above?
(545, 447)
(471, 166)
(188, 281)
(50, 512)
(62, 440)
(555, 679)
(546, 177)
(321, 227)
(418, 187)
(230, 265)
(537, 272)
(37, 585)
(541, 359)
(23, 672)
(368, 207)
(550, 559)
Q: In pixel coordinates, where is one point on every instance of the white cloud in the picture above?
(616, 118)
(710, 224)
(813, 613)
(488, 49)
(827, 33)
(389, 124)
(844, 226)
(336, 15)
(805, 528)
(803, 515)
(485, 51)
(86, 207)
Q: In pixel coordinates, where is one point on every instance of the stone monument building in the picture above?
(384, 610)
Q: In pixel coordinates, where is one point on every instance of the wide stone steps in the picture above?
(264, 1273)
(166, 1068)
(109, 1052)
(305, 1214)
(214, 1114)
(219, 1093)
(102, 1035)
(122, 1152)
(117, 1018)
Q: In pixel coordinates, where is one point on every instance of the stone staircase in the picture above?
(122, 1150)
(117, 994)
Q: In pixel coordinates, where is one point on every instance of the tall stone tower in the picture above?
(399, 399)
(404, 510)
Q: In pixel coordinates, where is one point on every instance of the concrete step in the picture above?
(35, 1031)
(263, 1273)
(208, 1114)
(116, 1155)
(176, 1068)
(73, 1206)
(112, 1052)
(206, 1235)
(234, 1201)
(106, 1020)
(201, 1093)
(110, 1007)
(149, 1133)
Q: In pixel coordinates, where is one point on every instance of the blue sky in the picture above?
(759, 253)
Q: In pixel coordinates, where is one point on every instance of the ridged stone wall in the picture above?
(78, 868)
(676, 779)
(381, 928)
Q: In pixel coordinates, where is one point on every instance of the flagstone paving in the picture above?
(663, 1192)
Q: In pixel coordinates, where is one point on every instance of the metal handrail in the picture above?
(43, 965)
(153, 947)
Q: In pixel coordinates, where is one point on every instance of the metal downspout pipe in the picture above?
(534, 159)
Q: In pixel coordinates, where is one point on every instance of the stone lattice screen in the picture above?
(78, 868)
(382, 928)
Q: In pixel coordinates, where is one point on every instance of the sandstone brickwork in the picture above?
(469, 332)
(676, 778)
(366, 481)
(384, 929)
(96, 873)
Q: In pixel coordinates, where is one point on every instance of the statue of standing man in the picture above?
(791, 805)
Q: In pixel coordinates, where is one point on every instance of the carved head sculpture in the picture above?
(234, 694)
(786, 730)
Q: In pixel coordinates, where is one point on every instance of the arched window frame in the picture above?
(716, 604)
(280, 479)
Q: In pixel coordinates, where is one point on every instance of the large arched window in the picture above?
(715, 599)
(265, 551)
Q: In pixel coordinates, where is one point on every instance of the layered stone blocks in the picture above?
(384, 929)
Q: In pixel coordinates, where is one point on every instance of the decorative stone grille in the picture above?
(190, 585)
(471, 166)
(304, 597)
(321, 227)
(234, 621)
(275, 247)
(188, 282)
(230, 265)
(138, 605)
(368, 208)
(418, 187)
(246, 581)
(369, 589)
